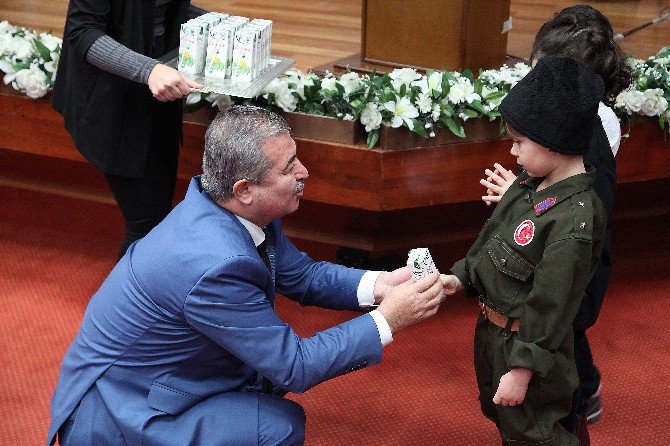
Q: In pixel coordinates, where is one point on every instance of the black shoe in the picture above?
(594, 409)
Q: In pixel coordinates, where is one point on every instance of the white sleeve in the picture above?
(366, 299)
(611, 125)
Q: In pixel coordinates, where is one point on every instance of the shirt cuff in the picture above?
(383, 327)
(366, 287)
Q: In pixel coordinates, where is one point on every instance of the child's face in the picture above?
(536, 159)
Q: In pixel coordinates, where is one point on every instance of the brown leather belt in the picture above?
(498, 319)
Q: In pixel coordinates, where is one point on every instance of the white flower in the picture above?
(328, 83)
(6, 28)
(350, 81)
(463, 116)
(403, 111)
(425, 103)
(348, 117)
(654, 102)
(437, 111)
(422, 84)
(401, 76)
(630, 100)
(371, 118)
(435, 81)
(463, 91)
(21, 48)
(521, 70)
(193, 98)
(51, 42)
(32, 81)
(9, 69)
(283, 97)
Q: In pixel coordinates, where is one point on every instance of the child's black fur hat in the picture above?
(556, 105)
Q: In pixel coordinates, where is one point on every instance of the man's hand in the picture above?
(387, 280)
(410, 302)
(496, 183)
(451, 284)
(166, 84)
(513, 387)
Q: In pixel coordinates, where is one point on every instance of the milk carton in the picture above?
(243, 54)
(192, 47)
(219, 52)
(420, 263)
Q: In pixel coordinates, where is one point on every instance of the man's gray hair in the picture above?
(233, 148)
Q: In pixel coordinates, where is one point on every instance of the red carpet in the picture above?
(57, 250)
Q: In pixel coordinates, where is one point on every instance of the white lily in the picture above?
(403, 111)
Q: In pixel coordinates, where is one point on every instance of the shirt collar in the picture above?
(255, 231)
(548, 197)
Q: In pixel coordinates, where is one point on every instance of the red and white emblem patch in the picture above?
(523, 234)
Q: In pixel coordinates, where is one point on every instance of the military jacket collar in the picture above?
(554, 194)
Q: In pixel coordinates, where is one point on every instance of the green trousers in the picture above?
(548, 400)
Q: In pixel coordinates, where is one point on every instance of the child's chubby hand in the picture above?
(451, 284)
(513, 387)
(496, 183)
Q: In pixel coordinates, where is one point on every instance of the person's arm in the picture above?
(229, 306)
(109, 55)
(558, 286)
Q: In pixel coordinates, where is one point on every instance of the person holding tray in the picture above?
(121, 106)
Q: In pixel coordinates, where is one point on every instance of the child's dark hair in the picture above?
(582, 32)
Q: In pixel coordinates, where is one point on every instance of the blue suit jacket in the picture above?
(188, 313)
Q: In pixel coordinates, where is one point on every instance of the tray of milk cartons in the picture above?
(228, 54)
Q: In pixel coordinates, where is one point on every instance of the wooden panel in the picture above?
(424, 33)
(316, 32)
(32, 126)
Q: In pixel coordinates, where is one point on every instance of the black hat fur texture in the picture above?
(556, 105)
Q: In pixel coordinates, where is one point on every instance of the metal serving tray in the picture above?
(251, 89)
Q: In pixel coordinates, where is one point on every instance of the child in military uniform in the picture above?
(535, 256)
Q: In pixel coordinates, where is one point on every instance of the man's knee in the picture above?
(280, 421)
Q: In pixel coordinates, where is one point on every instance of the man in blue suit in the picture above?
(181, 344)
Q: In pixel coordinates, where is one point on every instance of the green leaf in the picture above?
(468, 74)
(478, 107)
(494, 95)
(373, 137)
(339, 87)
(42, 49)
(501, 126)
(403, 90)
(418, 128)
(455, 126)
(470, 113)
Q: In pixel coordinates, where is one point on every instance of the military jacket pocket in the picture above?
(501, 273)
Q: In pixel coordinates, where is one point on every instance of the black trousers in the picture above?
(144, 202)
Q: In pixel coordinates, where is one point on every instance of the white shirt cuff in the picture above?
(366, 289)
(383, 327)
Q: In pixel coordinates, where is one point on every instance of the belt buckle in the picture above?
(482, 307)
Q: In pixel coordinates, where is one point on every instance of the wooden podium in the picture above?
(451, 34)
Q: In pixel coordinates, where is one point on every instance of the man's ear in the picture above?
(242, 190)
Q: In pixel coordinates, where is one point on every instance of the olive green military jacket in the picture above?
(533, 260)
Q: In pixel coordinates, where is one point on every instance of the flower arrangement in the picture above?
(404, 97)
(28, 59)
(650, 92)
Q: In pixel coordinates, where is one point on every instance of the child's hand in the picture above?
(451, 284)
(513, 387)
(497, 182)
